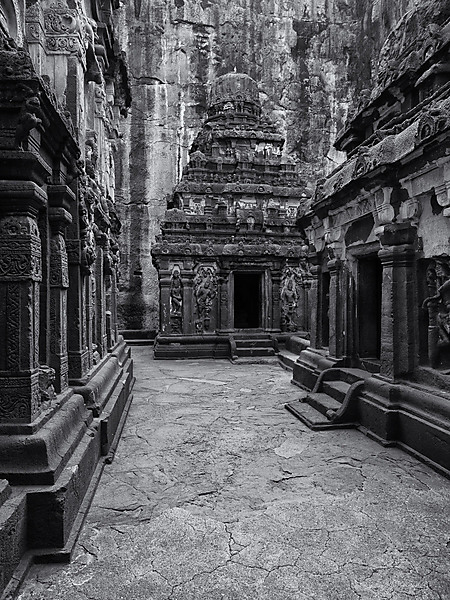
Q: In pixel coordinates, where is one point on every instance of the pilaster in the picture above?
(336, 340)
(20, 276)
(314, 303)
(59, 218)
(399, 319)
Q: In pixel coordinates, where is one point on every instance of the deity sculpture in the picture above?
(205, 292)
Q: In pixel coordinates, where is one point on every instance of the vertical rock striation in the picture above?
(311, 59)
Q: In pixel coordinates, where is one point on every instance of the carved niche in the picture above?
(292, 282)
(438, 306)
(205, 290)
(176, 301)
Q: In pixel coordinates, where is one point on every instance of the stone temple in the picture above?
(259, 181)
(231, 259)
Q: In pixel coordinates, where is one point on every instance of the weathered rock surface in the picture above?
(217, 492)
(310, 58)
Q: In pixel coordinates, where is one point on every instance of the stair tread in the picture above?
(255, 351)
(342, 386)
(313, 415)
(312, 418)
(324, 400)
(355, 374)
(287, 358)
(253, 343)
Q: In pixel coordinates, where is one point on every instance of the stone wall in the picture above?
(311, 59)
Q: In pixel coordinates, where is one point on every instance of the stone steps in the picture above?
(318, 409)
(255, 351)
(254, 343)
(287, 358)
(322, 402)
(312, 418)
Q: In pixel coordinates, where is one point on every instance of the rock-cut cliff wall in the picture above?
(310, 58)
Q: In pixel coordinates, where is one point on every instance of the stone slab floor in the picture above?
(217, 492)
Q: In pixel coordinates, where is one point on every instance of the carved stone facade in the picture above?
(378, 231)
(62, 90)
(230, 231)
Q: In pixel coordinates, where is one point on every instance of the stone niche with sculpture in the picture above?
(65, 373)
(231, 259)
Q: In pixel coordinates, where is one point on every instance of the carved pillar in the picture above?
(89, 300)
(314, 303)
(304, 311)
(224, 301)
(188, 303)
(77, 340)
(399, 325)
(336, 340)
(164, 300)
(20, 275)
(100, 295)
(276, 308)
(59, 218)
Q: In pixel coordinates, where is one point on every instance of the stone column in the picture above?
(399, 318)
(77, 340)
(164, 301)
(59, 218)
(314, 303)
(100, 295)
(20, 276)
(335, 344)
(188, 303)
(224, 301)
(304, 311)
(276, 308)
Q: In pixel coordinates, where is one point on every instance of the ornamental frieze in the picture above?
(432, 122)
(20, 398)
(16, 64)
(63, 30)
(20, 259)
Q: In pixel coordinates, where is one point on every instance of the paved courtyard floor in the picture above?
(217, 492)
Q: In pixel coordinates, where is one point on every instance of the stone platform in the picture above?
(216, 491)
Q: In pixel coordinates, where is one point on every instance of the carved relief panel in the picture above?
(176, 301)
(205, 291)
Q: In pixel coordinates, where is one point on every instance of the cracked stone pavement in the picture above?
(217, 492)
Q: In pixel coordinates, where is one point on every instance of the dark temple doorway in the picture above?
(247, 300)
(369, 307)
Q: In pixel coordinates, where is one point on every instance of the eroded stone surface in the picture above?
(217, 492)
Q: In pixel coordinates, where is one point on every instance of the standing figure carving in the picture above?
(176, 301)
(438, 306)
(290, 279)
(205, 290)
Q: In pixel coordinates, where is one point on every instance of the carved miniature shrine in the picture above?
(65, 373)
(231, 259)
(379, 227)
